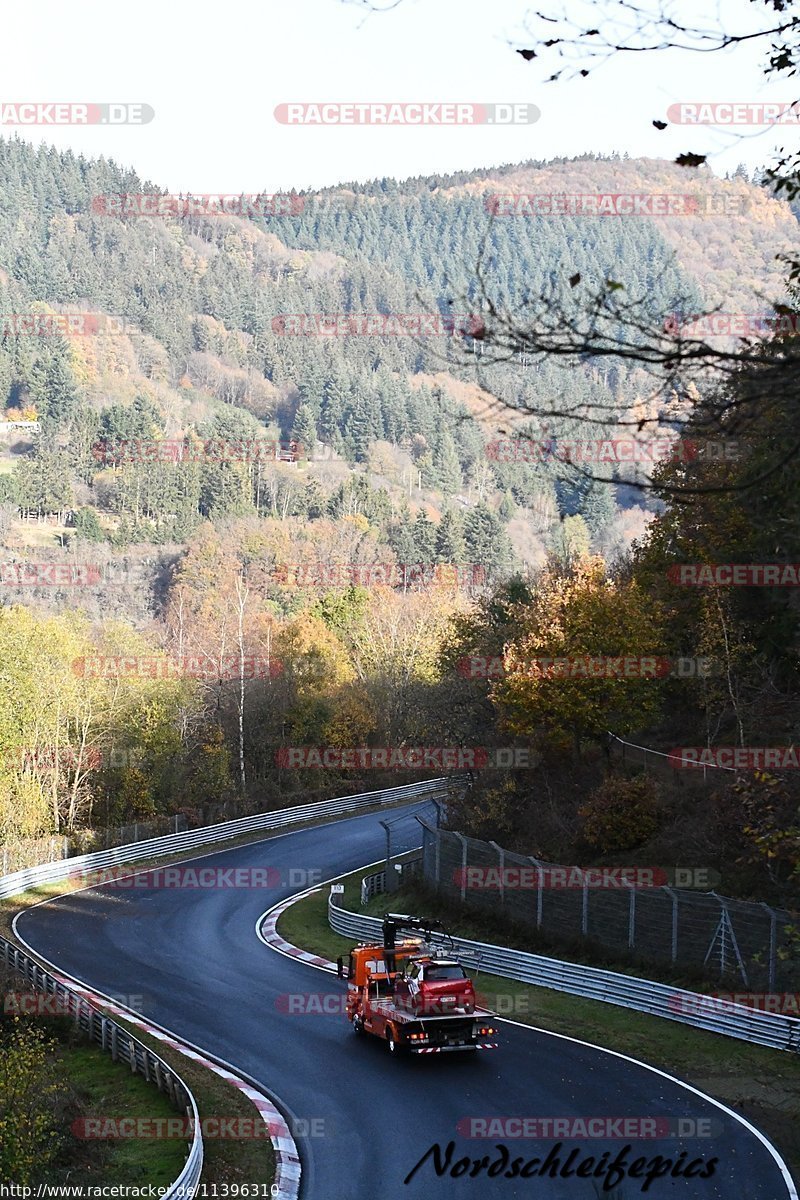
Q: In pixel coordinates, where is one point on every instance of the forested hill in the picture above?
(200, 350)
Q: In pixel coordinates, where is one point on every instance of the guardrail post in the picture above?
(501, 858)
(674, 898)
(114, 1042)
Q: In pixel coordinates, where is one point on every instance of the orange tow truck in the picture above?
(413, 999)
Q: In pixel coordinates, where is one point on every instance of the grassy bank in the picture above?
(52, 1082)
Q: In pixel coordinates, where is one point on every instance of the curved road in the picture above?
(194, 958)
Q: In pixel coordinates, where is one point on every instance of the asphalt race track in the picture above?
(194, 959)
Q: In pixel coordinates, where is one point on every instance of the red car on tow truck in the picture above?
(413, 999)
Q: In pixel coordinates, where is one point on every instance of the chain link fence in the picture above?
(18, 853)
(744, 944)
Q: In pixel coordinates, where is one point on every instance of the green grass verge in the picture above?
(103, 1088)
(245, 1160)
(761, 1084)
(96, 1086)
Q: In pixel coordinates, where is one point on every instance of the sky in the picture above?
(214, 74)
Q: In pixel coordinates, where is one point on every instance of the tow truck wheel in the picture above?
(358, 1024)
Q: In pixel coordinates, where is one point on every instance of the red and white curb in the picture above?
(287, 1160)
(267, 930)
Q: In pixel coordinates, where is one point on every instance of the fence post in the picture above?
(631, 917)
(539, 890)
(773, 945)
(501, 858)
(585, 906)
(463, 841)
(387, 886)
(438, 858)
(674, 898)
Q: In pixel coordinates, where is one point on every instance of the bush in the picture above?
(29, 1101)
(620, 814)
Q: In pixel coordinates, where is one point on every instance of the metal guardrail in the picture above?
(123, 1047)
(175, 843)
(642, 995)
(113, 1037)
(374, 884)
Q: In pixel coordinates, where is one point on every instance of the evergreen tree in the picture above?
(487, 543)
(450, 544)
(424, 532)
